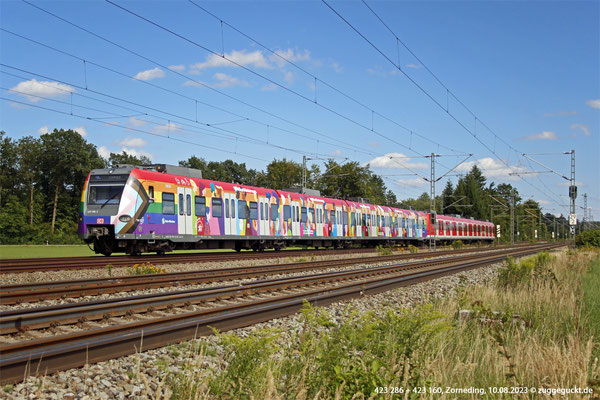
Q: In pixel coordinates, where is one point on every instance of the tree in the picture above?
(115, 159)
(8, 167)
(223, 171)
(67, 160)
(447, 199)
(29, 150)
(282, 174)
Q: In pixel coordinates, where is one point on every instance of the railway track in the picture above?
(283, 297)
(62, 263)
(15, 294)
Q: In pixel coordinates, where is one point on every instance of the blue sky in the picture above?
(528, 71)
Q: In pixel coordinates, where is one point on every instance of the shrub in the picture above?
(457, 244)
(516, 274)
(145, 269)
(588, 238)
(412, 249)
(384, 250)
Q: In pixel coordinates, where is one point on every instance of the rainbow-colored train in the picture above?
(161, 208)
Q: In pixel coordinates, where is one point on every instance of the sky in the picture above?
(381, 83)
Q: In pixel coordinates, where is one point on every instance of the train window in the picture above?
(253, 210)
(352, 219)
(242, 210)
(188, 204)
(297, 213)
(312, 214)
(304, 214)
(287, 212)
(345, 217)
(200, 206)
(151, 192)
(274, 212)
(168, 203)
(332, 213)
(181, 206)
(262, 211)
(232, 207)
(217, 208)
(226, 208)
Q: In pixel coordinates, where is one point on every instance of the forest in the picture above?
(41, 180)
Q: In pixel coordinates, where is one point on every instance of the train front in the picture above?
(100, 203)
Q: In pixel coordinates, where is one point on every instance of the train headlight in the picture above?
(124, 218)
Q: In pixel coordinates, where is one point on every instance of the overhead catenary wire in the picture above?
(318, 79)
(435, 101)
(203, 145)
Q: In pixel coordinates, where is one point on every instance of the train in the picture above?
(160, 208)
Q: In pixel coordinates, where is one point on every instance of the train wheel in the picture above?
(107, 253)
(160, 252)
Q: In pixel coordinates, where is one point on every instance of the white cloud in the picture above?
(18, 106)
(133, 142)
(242, 57)
(593, 103)
(150, 74)
(43, 130)
(81, 130)
(227, 81)
(133, 121)
(269, 87)
(546, 135)
(32, 88)
(378, 71)
(414, 66)
(559, 113)
(412, 182)
(336, 66)
(289, 76)
(137, 153)
(493, 168)
(103, 151)
(223, 81)
(337, 152)
(583, 128)
(168, 127)
(177, 68)
(395, 161)
(289, 55)
(543, 202)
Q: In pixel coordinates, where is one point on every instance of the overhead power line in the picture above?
(317, 79)
(434, 100)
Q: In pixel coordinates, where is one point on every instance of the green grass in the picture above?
(591, 297)
(37, 251)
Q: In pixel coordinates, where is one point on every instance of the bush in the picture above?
(588, 238)
(516, 274)
(145, 269)
(412, 249)
(457, 244)
(384, 250)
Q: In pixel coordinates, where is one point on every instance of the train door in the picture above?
(184, 216)
(229, 213)
(338, 221)
(358, 231)
(319, 219)
(263, 217)
(296, 218)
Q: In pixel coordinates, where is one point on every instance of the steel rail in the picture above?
(15, 294)
(62, 263)
(35, 318)
(43, 356)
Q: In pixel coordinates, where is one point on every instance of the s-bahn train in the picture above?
(160, 208)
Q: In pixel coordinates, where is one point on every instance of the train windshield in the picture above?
(102, 195)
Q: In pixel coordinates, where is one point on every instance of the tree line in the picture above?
(41, 181)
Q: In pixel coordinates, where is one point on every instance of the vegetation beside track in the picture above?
(537, 328)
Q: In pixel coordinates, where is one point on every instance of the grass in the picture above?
(38, 251)
(538, 326)
(591, 298)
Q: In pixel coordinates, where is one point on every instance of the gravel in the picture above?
(142, 375)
